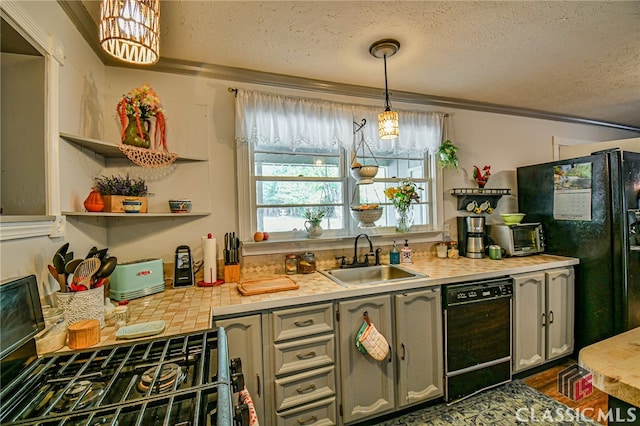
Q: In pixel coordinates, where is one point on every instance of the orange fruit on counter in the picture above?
(258, 236)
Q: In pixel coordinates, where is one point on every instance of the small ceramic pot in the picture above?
(131, 205)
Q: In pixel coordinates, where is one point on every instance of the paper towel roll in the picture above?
(209, 250)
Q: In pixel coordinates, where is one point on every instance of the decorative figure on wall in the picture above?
(481, 178)
(135, 110)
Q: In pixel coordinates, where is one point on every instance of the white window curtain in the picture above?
(292, 122)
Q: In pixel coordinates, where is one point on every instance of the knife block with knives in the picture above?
(231, 258)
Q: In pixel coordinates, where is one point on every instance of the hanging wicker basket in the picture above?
(146, 157)
(363, 169)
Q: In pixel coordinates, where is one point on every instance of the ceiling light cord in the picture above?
(387, 103)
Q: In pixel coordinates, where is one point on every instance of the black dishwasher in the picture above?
(477, 336)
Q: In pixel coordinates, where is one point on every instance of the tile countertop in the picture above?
(191, 309)
(615, 365)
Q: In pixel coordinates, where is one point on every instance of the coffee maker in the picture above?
(471, 236)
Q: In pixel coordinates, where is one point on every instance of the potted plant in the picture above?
(116, 189)
(447, 157)
(314, 218)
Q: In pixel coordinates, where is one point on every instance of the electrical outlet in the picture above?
(447, 228)
(58, 227)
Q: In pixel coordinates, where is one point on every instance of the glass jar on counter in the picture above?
(291, 264)
(441, 250)
(453, 252)
(121, 316)
(51, 315)
(307, 263)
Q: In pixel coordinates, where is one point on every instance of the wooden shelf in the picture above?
(479, 195)
(136, 215)
(108, 149)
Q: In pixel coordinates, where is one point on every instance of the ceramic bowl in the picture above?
(131, 206)
(512, 218)
(180, 206)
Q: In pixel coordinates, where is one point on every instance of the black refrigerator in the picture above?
(590, 209)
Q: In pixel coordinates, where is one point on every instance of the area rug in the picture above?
(512, 404)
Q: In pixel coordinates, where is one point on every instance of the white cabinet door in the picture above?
(529, 318)
(560, 307)
(245, 342)
(419, 346)
(367, 385)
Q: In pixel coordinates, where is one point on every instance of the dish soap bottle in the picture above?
(394, 255)
(406, 252)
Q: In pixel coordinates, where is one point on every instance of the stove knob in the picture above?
(235, 365)
(237, 382)
(241, 415)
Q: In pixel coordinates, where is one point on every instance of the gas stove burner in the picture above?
(80, 395)
(169, 374)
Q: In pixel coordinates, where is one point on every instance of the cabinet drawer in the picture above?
(306, 387)
(321, 413)
(302, 322)
(298, 355)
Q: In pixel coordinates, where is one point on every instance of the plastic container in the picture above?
(394, 255)
(405, 253)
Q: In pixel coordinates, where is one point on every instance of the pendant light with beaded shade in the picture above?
(388, 124)
(130, 30)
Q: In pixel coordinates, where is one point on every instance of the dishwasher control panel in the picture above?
(469, 292)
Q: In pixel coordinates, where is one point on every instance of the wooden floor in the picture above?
(545, 382)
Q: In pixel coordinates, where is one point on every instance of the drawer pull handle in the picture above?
(404, 351)
(306, 389)
(311, 354)
(544, 320)
(307, 420)
(305, 323)
(550, 317)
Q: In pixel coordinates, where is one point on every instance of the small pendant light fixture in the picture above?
(130, 30)
(388, 127)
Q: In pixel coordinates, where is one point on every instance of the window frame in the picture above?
(247, 209)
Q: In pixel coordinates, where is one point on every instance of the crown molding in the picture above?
(88, 28)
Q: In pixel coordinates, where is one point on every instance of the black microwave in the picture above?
(519, 240)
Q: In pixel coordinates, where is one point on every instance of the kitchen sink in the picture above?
(370, 275)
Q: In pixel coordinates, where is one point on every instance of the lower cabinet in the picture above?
(543, 317)
(419, 353)
(244, 335)
(288, 361)
(411, 322)
(367, 385)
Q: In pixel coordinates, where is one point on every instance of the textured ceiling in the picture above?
(574, 58)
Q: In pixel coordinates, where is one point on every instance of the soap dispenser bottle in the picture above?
(406, 252)
(394, 255)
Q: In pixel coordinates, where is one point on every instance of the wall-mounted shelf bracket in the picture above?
(467, 196)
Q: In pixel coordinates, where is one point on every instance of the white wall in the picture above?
(504, 142)
(581, 150)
